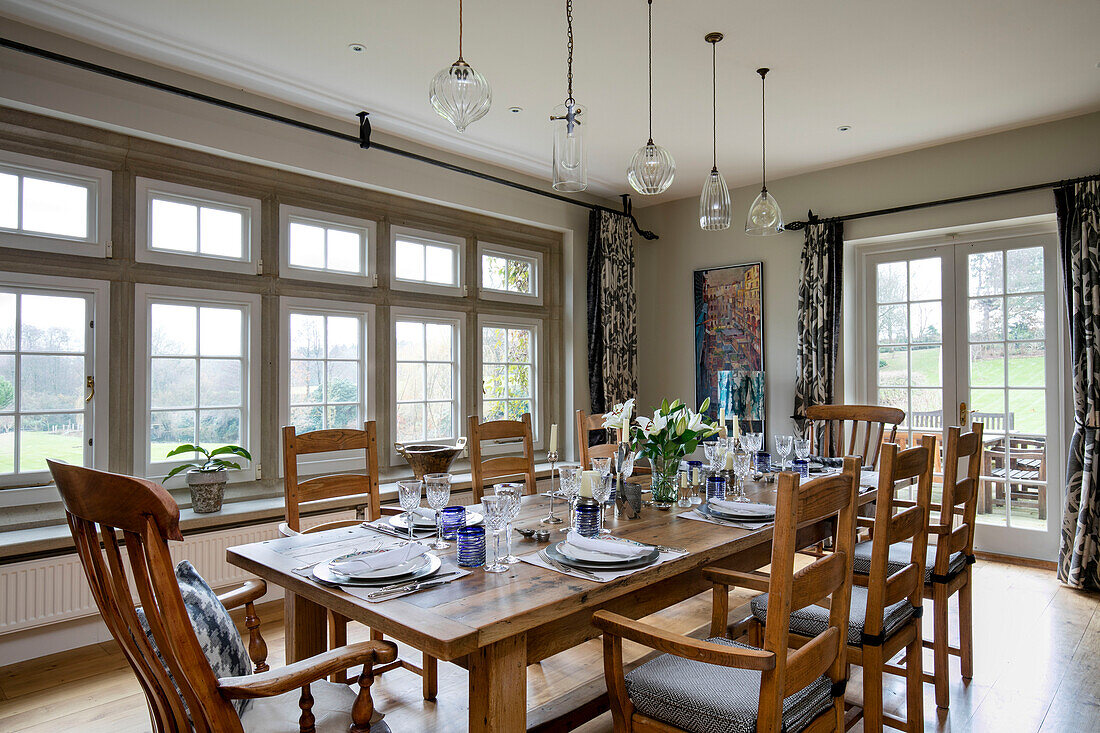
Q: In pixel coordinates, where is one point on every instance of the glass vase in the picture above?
(665, 487)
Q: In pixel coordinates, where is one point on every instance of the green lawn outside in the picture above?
(37, 447)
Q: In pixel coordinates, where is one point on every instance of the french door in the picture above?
(971, 332)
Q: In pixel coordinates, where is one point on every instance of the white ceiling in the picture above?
(902, 74)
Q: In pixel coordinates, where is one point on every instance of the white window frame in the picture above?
(538, 395)
(96, 424)
(431, 239)
(144, 296)
(249, 208)
(98, 183)
(329, 462)
(458, 320)
(368, 274)
(534, 258)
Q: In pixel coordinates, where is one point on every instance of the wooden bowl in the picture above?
(426, 458)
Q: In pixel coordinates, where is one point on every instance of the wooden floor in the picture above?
(1037, 668)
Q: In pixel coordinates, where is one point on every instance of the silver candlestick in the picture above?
(550, 518)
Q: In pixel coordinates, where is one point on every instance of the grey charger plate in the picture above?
(638, 562)
(324, 573)
(705, 510)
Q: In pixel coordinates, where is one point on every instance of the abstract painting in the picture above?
(729, 342)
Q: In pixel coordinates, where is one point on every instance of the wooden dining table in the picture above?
(496, 624)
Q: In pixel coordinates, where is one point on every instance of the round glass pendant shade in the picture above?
(570, 151)
(651, 170)
(714, 203)
(460, 94)
(764, 216)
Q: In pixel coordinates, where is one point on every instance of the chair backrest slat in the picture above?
(960, 493)
(866, 422)
(586, 425)
(298, 492)
(487, 469)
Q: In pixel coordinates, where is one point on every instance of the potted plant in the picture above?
(206, 479)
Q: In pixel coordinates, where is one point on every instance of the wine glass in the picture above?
(408, 493)
(438, 488)
(601, 492)
(713, 452)
(783, 445)
(496, 516)
(512, 494)
(742, 464)
(602, 465)
(570, 475)
(802, 448)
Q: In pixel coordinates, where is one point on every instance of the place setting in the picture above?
(731, 513)
(599, 559)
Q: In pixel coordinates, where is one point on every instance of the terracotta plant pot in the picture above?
(430, 457)
(207, 490)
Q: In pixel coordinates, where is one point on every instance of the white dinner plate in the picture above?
(419, 523)
(430, 564)
(406, 568)
(573, 552)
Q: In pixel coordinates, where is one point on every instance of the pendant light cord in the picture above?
(763, 135)
(459, 30)
(714, 102)
(569, 28)
(650, 72)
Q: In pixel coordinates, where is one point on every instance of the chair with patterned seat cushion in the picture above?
(725, 686)
(183, 689)
(899, 558)
(813, 620)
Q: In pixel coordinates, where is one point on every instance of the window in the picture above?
(48, 356)
(327, 355)
(427, 378)
(181, 225)
(510, 274)
(509, 368)
(196, 352)
(51, 206)
(427, 262)
(321, 246)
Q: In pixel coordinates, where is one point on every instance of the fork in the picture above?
(579, 571)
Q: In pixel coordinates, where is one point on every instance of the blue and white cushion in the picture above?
(900, 555)
(813, 620)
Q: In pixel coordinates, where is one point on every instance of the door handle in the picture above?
(91, 389)
(963, 413)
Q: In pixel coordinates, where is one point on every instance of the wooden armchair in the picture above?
(483, 470)
(699, 684)
(335, 486)
(869, 425)
(98, 505)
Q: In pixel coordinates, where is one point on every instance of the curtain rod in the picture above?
(796, 225)
(362, 140)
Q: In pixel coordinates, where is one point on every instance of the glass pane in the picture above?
(343, 250)
(55, 208)
(986, 273)
(991, 496)
(410, 382)
(219, 427)
(7, 444)
(1025, 270)
(173, 329)
(924, 279)
(305, 419)
(1027, 501)
(989, 403)
(172, 383)
(439, 381)
(1027, 364)
(927, 400)
(344, 416)
(306, 385)
(1027, 411)
(51, 383)
(494, 381)
(1026, 317)
(493, 410)
(53, 323)
(7, 321)
(987, 319)
(439, 420)
(519, 381)
(894, 398)
(307, 245)
(221, 233)
(169, 429)
(891, 282)
(924, 323)
(438, 337)
(515, 408)
(307, 336)
(220, 331)
(220, 384)
(175, 226)
(493, 345)
(410, 422)
(343, 381)
(893, 325)
(987, 365)
(439, 265)
(57, 437)
(927, 366)
(9, 213)
(410, 341)
(519, 345)
(409, 261)
(494, 272)
(519, 276)
(7, 382)
(343, 337)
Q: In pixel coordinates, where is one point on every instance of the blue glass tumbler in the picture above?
(716, 487)
(454, 519)
(471, 547)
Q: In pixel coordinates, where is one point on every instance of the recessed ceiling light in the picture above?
(515, 110)
(844, 128)
(356, 47)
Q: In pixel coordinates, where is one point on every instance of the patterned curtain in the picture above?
(1079, 235)
(819, 297)
(612, 311)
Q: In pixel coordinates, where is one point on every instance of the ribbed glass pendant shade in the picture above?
(714, 203)
(651, 170)
(460, 94)
(764, 215)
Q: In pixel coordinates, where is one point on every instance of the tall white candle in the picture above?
(588, 478)
(552, 444)
(625, 435)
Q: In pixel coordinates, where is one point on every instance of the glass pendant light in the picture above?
(459, 93)
(714, 203)
(652, 168)
(570, 152)
(764, 215)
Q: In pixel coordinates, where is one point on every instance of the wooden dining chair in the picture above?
(588, 424)
(866, 426)
(722, 684)
(334, 486)
(483, 470)
(183, 690)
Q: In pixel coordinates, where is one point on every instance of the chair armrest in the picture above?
(391, 511)
(940, 529)
(753, 581)
(865, 522)
(297, 675)
(682, 646)
(904, 503)
(250, 592)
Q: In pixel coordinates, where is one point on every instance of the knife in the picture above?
(563, 568)
(410, 588)
(395, 586)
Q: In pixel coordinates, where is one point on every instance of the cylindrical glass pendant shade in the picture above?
(651, 170)
(460, 94)
(570, 151)
(714, 203)
(764, 215)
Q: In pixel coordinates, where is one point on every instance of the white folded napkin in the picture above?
(424, 512)
(743, 507)
(380, 560)
(608, 547)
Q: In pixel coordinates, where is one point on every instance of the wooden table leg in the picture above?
(498, 686)
(306, 627)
